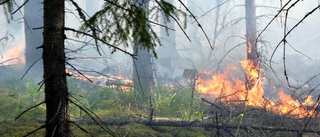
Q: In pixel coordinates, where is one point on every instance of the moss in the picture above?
(8, 105)
(190, 132)
(138, 130)
(4, 91)
(20, 128)
(93, 130)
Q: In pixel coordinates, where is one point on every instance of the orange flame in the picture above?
(14, 56)
(236, 91)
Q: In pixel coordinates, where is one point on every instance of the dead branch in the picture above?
(198, 23)
(34, 131)
(29, 109)
(81, 128)
(215, 105)
(101, 40)
(197, 124)
(94, 118)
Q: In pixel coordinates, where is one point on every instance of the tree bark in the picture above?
(143, 74)
(143, 77)
(251, 31)
(56, 91)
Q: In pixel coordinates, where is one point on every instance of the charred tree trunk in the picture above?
(56, 91)
(252, 50)
(33, 15)
(143, 71)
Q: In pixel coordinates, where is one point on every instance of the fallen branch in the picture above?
(195, 124)
(215, 105)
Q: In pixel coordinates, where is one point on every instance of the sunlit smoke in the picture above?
(14, 57)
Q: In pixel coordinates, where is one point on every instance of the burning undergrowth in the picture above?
(229, 88)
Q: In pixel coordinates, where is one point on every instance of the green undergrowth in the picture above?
(16, 96)
(175, 104)
(21, 128)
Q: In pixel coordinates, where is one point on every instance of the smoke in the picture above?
(301, 50)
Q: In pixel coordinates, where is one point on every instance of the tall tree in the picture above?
(143, 66)
(56, 91)
(33, 15)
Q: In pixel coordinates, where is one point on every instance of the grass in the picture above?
(171, 103)
(17, 96)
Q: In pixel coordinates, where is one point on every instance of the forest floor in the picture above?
(177, 112)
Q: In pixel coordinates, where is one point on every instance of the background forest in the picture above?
(159, 68)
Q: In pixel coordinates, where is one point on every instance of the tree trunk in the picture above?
(168, 56)
(33, 15)
(143, 71)
(56, 91)
(251, 36)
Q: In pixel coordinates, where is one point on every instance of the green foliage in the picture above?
(7, 106)
(101, 100)
(109, 103)
(175, 103)
(165, 102)
(17, 96)
(138, 130)
(20, 128)
(190, 132)
(124, 22)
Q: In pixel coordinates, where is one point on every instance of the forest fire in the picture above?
(225, 88)
(13, 56)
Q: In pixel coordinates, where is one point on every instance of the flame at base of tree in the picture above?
(228, 89)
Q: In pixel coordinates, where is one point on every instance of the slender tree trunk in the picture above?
(33, 15)
(143, 71)
(251, 31)
(56, 91)
(251, 39)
